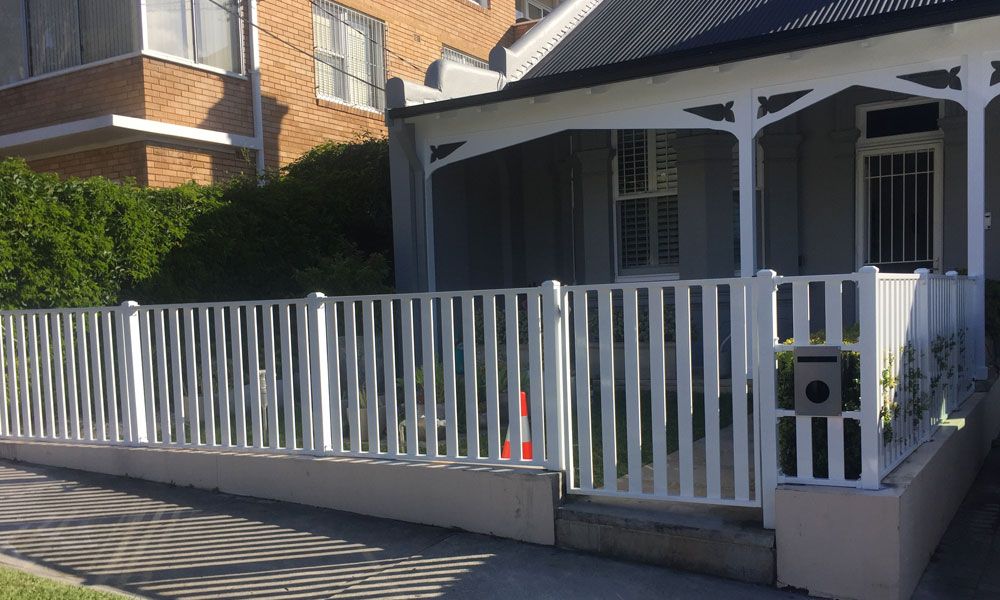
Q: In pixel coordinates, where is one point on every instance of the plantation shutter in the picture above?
(646, 196)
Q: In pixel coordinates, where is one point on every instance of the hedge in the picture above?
(322, 224)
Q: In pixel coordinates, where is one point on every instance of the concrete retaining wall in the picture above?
(860, 544)
(518, 504)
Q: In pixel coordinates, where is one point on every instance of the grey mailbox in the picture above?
(817, 381)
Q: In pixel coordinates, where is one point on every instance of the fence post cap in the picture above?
(130, 304)
(767, 273)
(551, 284)
(923, 272)
(869, 269)
(316, 295)
(952, 273)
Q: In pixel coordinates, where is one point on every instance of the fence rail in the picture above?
(640, 391)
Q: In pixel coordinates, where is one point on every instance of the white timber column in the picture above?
(748, 186)
(975, 106)
(429, 250)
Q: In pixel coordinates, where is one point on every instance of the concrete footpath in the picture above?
(966, 564)
(159, 541)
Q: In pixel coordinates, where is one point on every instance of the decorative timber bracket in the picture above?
(443, 151)
(995, 79)
(770, 105)
(939, 79)
(715, 112)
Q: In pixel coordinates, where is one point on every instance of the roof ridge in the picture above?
(516, 61)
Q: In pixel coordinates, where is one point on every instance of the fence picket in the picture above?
(333, 368)
(471, 375)
(222, 376)
(430, 377)
(191, 373)
(146, 355)
(583, 417)
(450, 376)
(412, 437)
(97, 370)
(658, 389)
(606, 337)
(5, 359)
(287, 375)
(371, 378)
(633, 413)
(305, 377)
(58, 374)
(273, 436)
(389, 375)
(253, 373)
(239, 383)
(48, 389)
(685, 392)
(536, 395)
(710, 345)
(739, 339)
(353, 385)
(13, 385)
(490, 360)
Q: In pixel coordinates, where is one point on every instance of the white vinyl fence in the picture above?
(674, 391)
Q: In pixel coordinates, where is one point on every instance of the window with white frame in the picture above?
(350, 56)
(463, 58)
(646, 204)
(45, 36)
(206, 32)
(900, 160)
(535, 9)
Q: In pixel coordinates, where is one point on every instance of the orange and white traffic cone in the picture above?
(526, 453)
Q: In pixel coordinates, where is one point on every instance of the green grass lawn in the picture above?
(22, 586)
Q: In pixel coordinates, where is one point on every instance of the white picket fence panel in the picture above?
(371, 376)
(660, 412)
(633, 390)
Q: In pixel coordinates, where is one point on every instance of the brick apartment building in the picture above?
(166, 91)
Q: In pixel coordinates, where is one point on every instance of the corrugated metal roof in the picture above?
(623, 30)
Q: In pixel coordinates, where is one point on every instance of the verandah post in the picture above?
(765, 289)
(871, 364)
(552, 372)
(133, 391)
(320, 370)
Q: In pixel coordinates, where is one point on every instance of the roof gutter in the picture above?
(706, 56)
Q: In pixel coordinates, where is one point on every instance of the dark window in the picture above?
(918, 118)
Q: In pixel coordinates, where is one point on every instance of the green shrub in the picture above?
(322, 224)
(85, 242)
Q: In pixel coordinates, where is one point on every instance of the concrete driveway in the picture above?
(159, 541)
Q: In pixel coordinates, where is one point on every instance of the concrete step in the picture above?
(721, 541)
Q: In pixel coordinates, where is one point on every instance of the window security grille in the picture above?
(463, 58)
(350, 51)
(646, 202)
(899, 195)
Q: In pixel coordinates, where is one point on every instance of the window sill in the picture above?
(190, 63)
(647, 278)
(61, 72)
(368, 113)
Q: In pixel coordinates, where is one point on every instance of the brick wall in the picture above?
(168, 165)
(112, 88)
(193, 97)
(295, 120)
(115, 162)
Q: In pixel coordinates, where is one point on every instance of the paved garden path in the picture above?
(966, 564)
(164, 542)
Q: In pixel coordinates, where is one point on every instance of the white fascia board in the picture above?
(113, 127)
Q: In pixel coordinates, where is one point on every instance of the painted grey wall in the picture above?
(993, 189)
